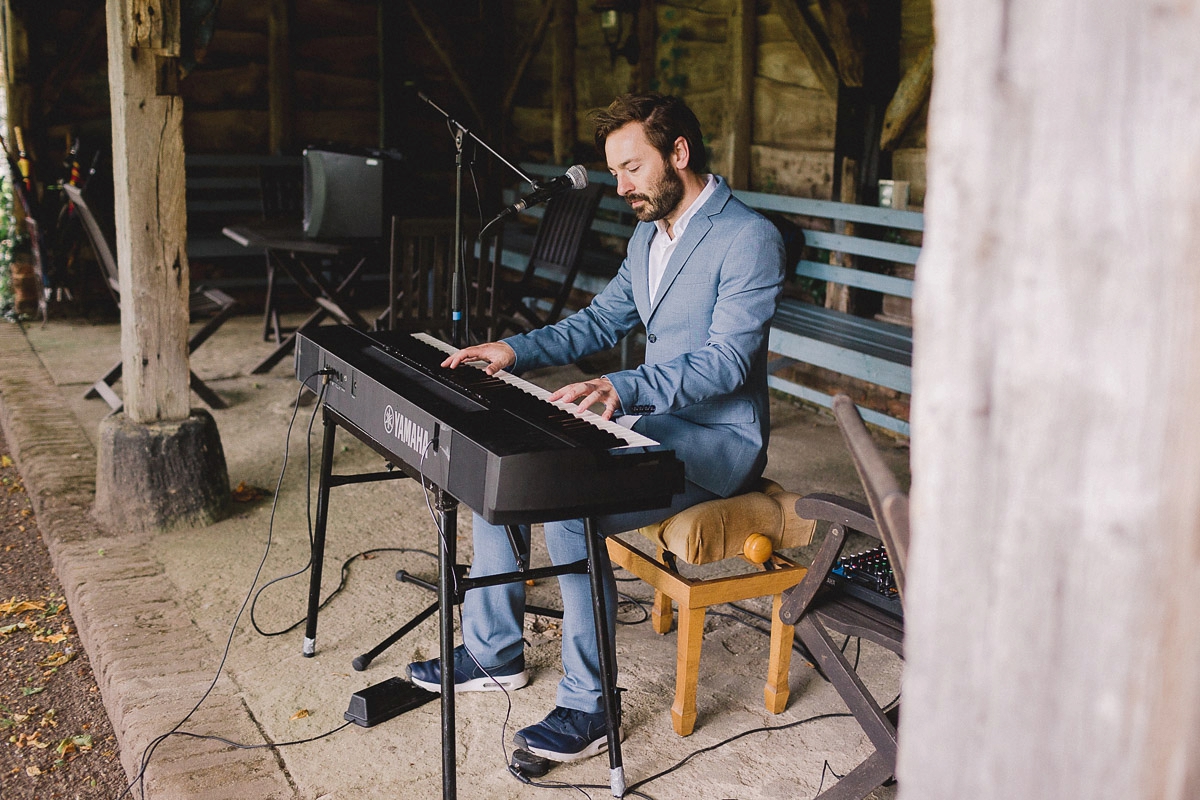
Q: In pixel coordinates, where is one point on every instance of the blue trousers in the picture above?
(494, 616)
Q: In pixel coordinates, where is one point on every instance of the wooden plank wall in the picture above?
(334, 83)
(794, 116)
(334, 79)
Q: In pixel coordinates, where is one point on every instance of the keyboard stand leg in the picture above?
(309, 648)
(608, 663)
(447, 507)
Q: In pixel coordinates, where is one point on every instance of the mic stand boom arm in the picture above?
(457, 332)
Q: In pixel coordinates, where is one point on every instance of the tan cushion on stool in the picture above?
(717, 529)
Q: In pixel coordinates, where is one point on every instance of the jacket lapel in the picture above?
(697, 229)
(639, 270)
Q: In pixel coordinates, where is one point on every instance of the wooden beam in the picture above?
(910, 95)
(435, 39)
(527, 52)
(279, 75)
(151, 238)
(817, 54)
(741, 91)
(846, 22)
(564, 82)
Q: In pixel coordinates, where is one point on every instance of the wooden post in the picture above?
(150, 214)
(1052, 633)
(564, 82)
(838, 296)
(158, 466)
(279, 75)
(741, 91)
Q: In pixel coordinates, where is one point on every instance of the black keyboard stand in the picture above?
(452, 583)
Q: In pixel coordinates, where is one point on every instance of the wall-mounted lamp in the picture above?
(618, 21)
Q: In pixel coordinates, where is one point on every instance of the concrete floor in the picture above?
(156, 612)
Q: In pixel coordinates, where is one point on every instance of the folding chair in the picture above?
(816, 609)
(557, 250)
(420, 271)
(201, 302)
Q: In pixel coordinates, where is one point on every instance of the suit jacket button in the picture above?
(652, 338)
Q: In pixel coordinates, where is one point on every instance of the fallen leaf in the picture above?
(57, 660)
(244, 493)
(32, 771)
(301, 714)
(53, 638)
(5, 461)
(15, 606)
(28, 691)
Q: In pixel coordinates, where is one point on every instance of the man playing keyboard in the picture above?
(703, 273)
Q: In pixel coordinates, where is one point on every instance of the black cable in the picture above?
(307, 510)
(734, 738)
(826, 767)
(147, 754)
(244, 746)
(345, 575)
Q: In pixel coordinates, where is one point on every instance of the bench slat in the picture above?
(822, 399)
(841, 359)
(887, 284)
(873, 248)
(879, 339)
(828, 209)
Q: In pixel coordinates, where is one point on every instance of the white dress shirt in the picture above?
(663, 244)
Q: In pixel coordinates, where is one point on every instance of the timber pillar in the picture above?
(160, 476)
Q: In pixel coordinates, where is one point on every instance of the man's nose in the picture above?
(624, 186)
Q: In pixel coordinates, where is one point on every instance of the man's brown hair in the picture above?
(664, 119)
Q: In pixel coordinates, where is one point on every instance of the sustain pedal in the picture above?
(384, 700)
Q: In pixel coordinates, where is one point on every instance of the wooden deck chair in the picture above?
(420, 269)
(202, 301)
(558, 250)
(816, 611)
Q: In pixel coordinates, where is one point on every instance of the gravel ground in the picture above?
(57, 739)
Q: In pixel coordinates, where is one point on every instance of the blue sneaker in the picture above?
(565, 735)
(468, 677)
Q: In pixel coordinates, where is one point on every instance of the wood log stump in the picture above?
(160, 476)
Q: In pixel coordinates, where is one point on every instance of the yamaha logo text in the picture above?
(405, 430)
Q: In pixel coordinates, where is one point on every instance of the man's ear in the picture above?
(681, 153)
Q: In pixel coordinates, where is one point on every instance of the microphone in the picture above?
(575, 178)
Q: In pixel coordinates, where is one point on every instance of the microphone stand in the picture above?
(457, 332)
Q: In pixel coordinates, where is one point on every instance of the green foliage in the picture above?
(7, 246)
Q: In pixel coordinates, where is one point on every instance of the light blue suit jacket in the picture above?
(703, 388)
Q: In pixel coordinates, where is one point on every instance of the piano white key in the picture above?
(631, 437)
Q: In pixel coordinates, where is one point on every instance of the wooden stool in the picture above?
(752, 526)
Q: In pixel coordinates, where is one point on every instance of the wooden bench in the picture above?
(868, 349)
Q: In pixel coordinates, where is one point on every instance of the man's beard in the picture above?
(662, 198)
